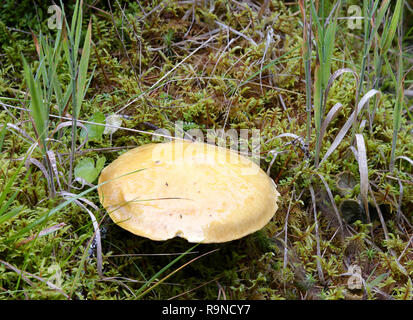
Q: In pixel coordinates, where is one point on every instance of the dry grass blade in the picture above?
(78, 124)
(330, 116)
(5, 107)
(286, 230)
(405, 158)
(154, 277)
(290, 135)
(274, 153)
(268, 43)
(18, 271)
(42, 233)
(338, 73)
(113, 279)
(333, 203)
(53, 164)
(43, 169)
(82, 182)
(306, 52)
(409, 243)
(364, 172)
(96, 236)
(383, 223)
(274, 157)
(340, 136)
(319, 268)
(236, 32)
(21, 131)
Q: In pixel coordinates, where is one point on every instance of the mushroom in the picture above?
(197, 191)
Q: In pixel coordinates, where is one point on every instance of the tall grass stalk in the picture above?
(399, 95)
(381, 48)
(40, 109)
(306, 51)
(376, 15)
(373, 18)
(325, 39)
(46, 89)
(78, 70)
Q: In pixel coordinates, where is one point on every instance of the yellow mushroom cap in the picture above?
(193, 190)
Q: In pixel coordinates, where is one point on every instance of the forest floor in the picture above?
(205, 65)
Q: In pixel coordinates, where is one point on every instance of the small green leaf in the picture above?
(12, 213)
(95, 131)
(377, 280)
(86, 169)
(100, 163)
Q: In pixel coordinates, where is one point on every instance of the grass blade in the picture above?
(2, 135)
(13, 212)
(330, 116)
(83, 66)
(156, 275)
(364, 172)
(5, 206)
(325, 35)
(38, 110)
(76, 27)
(318, 257)
(349, 123)
(397, 115)
(306, 52)
(390, 29)
(10, 182)
(175, 271)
